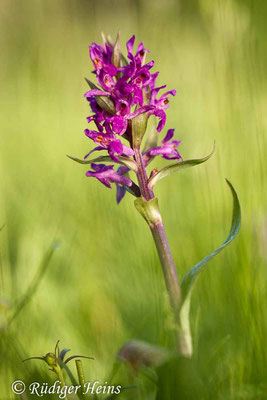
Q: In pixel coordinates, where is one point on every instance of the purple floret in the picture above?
(106, 175)
(168, 148)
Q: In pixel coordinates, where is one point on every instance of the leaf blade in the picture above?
(192, 274)
(116, 54)
(122, 160)
(152, 136)
(104, 102)
(34, 284)
(172, 168)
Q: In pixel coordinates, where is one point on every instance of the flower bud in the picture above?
(50, 359)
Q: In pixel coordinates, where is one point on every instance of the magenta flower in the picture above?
(106, 175)
(140, 52)
(126, 90)
(119, 121)
(160, 105)
(168, 148)
(101, 57)
(121, 189)
(109, 142)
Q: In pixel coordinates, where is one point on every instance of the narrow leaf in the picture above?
(122, 160)
(152, 136)
(124, 60)
(185, 331)
(91, 84)
(34, 358)
(134, 189)
(172, 168)
(78, 356)
(139, 125)
(116, 54)
(104, 38)
(57, 348)
(25, 299)
(191, 275)
(72, 379)
(103, 101)
(63, 353)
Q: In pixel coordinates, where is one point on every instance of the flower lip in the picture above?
(168, 148)
(106, 175)
(97, 62)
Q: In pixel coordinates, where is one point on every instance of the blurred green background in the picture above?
(104, 284)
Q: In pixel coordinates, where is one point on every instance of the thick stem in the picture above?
(159, 235)
(184, 343)
(168, 266)
(147, 205)
(142, 176)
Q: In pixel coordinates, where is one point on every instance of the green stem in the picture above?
(59, 373)
(147, 205)
(80, 373)
(168, 266)
(141, 174)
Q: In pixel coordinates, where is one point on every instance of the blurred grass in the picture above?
(104, 284)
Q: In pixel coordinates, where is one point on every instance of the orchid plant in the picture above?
(125, 98)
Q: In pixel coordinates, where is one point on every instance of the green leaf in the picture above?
(116, 53)
(103, 101)
(172, 168)
(122, 160)
(186, 346)
(152, 136)
(29, 293)
(149, 210)
(134, 189)
(139, 125)
(71, 377)
(77, 356)
(108, 39)
(191, 275)
(124, 60)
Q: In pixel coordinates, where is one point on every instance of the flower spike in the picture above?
(125, 97)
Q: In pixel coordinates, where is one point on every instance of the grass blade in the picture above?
(25, 299)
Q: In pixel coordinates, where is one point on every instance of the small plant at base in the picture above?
(56, 362)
